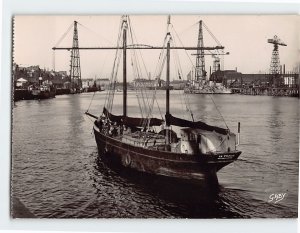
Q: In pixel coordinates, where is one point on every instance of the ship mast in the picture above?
(168, 80)
(168, 84)
(124, 67)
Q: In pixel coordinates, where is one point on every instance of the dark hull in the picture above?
(24, 94)
(44, 95)
(189, 168)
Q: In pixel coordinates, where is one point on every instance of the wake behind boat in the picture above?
(193, 153)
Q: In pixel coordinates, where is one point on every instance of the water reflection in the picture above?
(75, 120)
(275, 125)
(178, 198)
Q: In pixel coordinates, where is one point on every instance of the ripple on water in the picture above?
(56, 171)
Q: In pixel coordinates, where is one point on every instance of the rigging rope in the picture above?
(219, 111)
(91, 102)
(219, 43)
(138, 73)
(186, 99)
(146, 106)
(162, 60)
(212, 35)
(178, 73)
(145, 102)
(187, 29)
(97, 34)
(110, 94)
(135, 38)
(64, 35)
(183, 46)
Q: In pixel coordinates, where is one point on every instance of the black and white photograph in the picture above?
(155, 116)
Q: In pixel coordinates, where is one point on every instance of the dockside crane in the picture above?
(275, 60)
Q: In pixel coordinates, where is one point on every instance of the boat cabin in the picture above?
(195, 141)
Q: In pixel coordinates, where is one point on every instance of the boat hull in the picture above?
(43, 94)
(215, 92)
(189, 168)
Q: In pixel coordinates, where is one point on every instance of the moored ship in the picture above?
(43, 90)
(215, 88)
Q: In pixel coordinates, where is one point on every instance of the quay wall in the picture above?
(291, 92)
(24, 94)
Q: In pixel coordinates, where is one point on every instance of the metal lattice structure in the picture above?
(75, 71)
(275, 60)
(216, 63)
(200, 73)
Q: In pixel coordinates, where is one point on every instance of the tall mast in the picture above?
(168, 85)
(168, 74)
(168, 80)
(124, 68)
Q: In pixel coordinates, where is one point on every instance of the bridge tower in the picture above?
(75, 71)
(200, 73)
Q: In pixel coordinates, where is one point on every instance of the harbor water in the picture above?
(57, 173)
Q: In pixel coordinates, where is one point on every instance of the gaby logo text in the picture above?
(276, 197)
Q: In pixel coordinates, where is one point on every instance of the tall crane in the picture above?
(275, 61)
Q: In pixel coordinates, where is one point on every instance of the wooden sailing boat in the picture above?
(193, 155)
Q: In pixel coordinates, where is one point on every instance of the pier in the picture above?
(270, 91)
(285, 84)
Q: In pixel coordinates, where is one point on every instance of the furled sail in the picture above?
(132, 121)
(198, 124)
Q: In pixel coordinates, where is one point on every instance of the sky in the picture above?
(244, 37)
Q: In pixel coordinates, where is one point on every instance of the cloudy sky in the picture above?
(245, 37)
